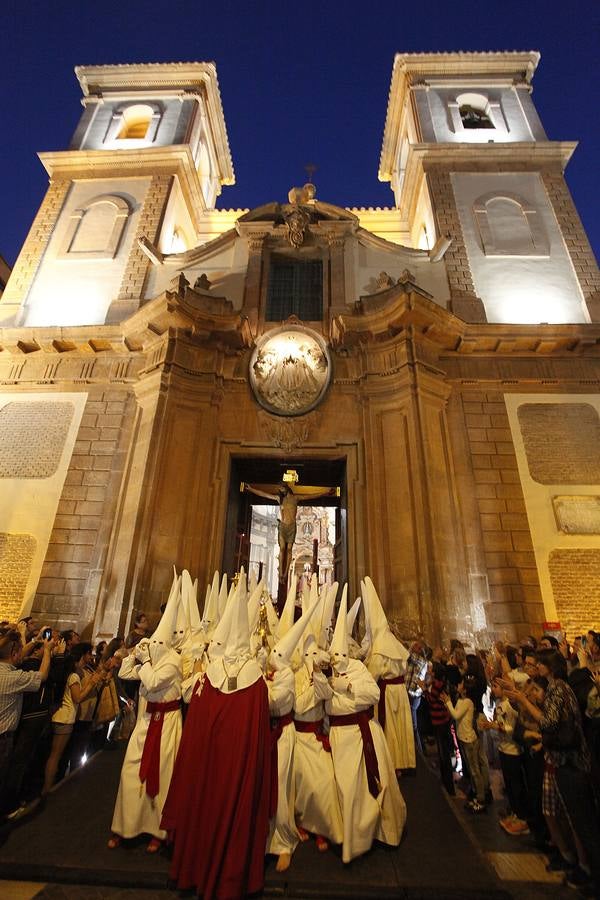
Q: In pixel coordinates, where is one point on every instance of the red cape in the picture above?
(217, 810)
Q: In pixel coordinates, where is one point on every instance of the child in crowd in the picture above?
(463, 713)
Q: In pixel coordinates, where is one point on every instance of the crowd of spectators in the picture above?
(60, 702)
(533, 712)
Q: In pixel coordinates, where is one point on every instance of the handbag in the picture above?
(107, 707)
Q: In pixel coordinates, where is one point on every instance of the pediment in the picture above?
(317, 211)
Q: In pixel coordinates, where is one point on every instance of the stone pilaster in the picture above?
(464, 302)
(149, 224)
(337, 273)
(256, 242)
(24, 272)
(578, 246)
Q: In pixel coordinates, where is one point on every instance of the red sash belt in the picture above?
(315, 728)
(362, 720)
(383, 683)
(278, 723)
(150, 763)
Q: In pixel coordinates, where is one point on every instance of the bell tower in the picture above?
(467, 157)
(147, 160)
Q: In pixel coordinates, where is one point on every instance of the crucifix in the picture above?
(288, 495)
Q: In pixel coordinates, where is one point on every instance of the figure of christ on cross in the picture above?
(288, 498)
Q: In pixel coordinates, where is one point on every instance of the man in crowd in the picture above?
(13, 684)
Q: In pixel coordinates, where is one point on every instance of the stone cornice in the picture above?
(174, 160)
(409, 67)
(395, 311)
(192, 77)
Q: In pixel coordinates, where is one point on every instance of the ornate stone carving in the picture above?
(384, 281)
(202, 283)
(290, 370)
(287, 434)
(296, 221)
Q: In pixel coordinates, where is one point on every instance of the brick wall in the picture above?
(33, 437)
(575, 576)
(516, 600)
(67, 590)
(149, 223)
(458, 269)
(36, 242)
(562, 442)
(16, 557)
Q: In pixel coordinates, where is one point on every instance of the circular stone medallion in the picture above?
(290, 370)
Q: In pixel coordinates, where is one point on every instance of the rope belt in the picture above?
(362, 720)
(150, 762)
(315, 728)
(383, 683)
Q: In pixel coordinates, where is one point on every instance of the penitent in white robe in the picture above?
(365, 818)
(283, 835)
(398, 728)
(135, 812)
(317, 802)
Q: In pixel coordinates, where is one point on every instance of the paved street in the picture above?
(445, 854)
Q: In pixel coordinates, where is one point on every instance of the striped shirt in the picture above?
(13, 683)
(437, 709)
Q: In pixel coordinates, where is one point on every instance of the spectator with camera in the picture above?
(14, 683)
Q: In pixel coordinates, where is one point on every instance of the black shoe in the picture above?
(557, 863)
(577, 878)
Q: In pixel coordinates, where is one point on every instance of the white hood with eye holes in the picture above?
(338, 651)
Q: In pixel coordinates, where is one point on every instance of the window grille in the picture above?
(295, 289)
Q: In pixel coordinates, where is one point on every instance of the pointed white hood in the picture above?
(286, 619)
(338, 651)
(161, 640)
(210, 614)
(282, 652)
(312, 653)
(329, 595)
(383, 641)
(352, 614)
(223, 595)
(231, 667)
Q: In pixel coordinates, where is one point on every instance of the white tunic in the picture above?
(398, 729)
(283, 836)
(135, 812)
(317, 802)
(365, 818)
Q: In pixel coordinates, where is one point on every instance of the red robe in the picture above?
(217, 810)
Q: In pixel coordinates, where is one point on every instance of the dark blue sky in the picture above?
(300, 82)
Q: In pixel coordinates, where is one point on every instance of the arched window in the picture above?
(509, 226)
(95, 230)
(136, 122)
(474, 111)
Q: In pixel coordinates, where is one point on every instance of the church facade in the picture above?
(438, 362)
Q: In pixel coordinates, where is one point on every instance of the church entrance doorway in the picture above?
(312, 540)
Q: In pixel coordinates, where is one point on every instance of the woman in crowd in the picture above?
(567, 782)
(65, 716)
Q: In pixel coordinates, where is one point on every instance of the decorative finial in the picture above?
(310, 170)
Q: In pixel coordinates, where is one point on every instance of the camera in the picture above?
(47, 634)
